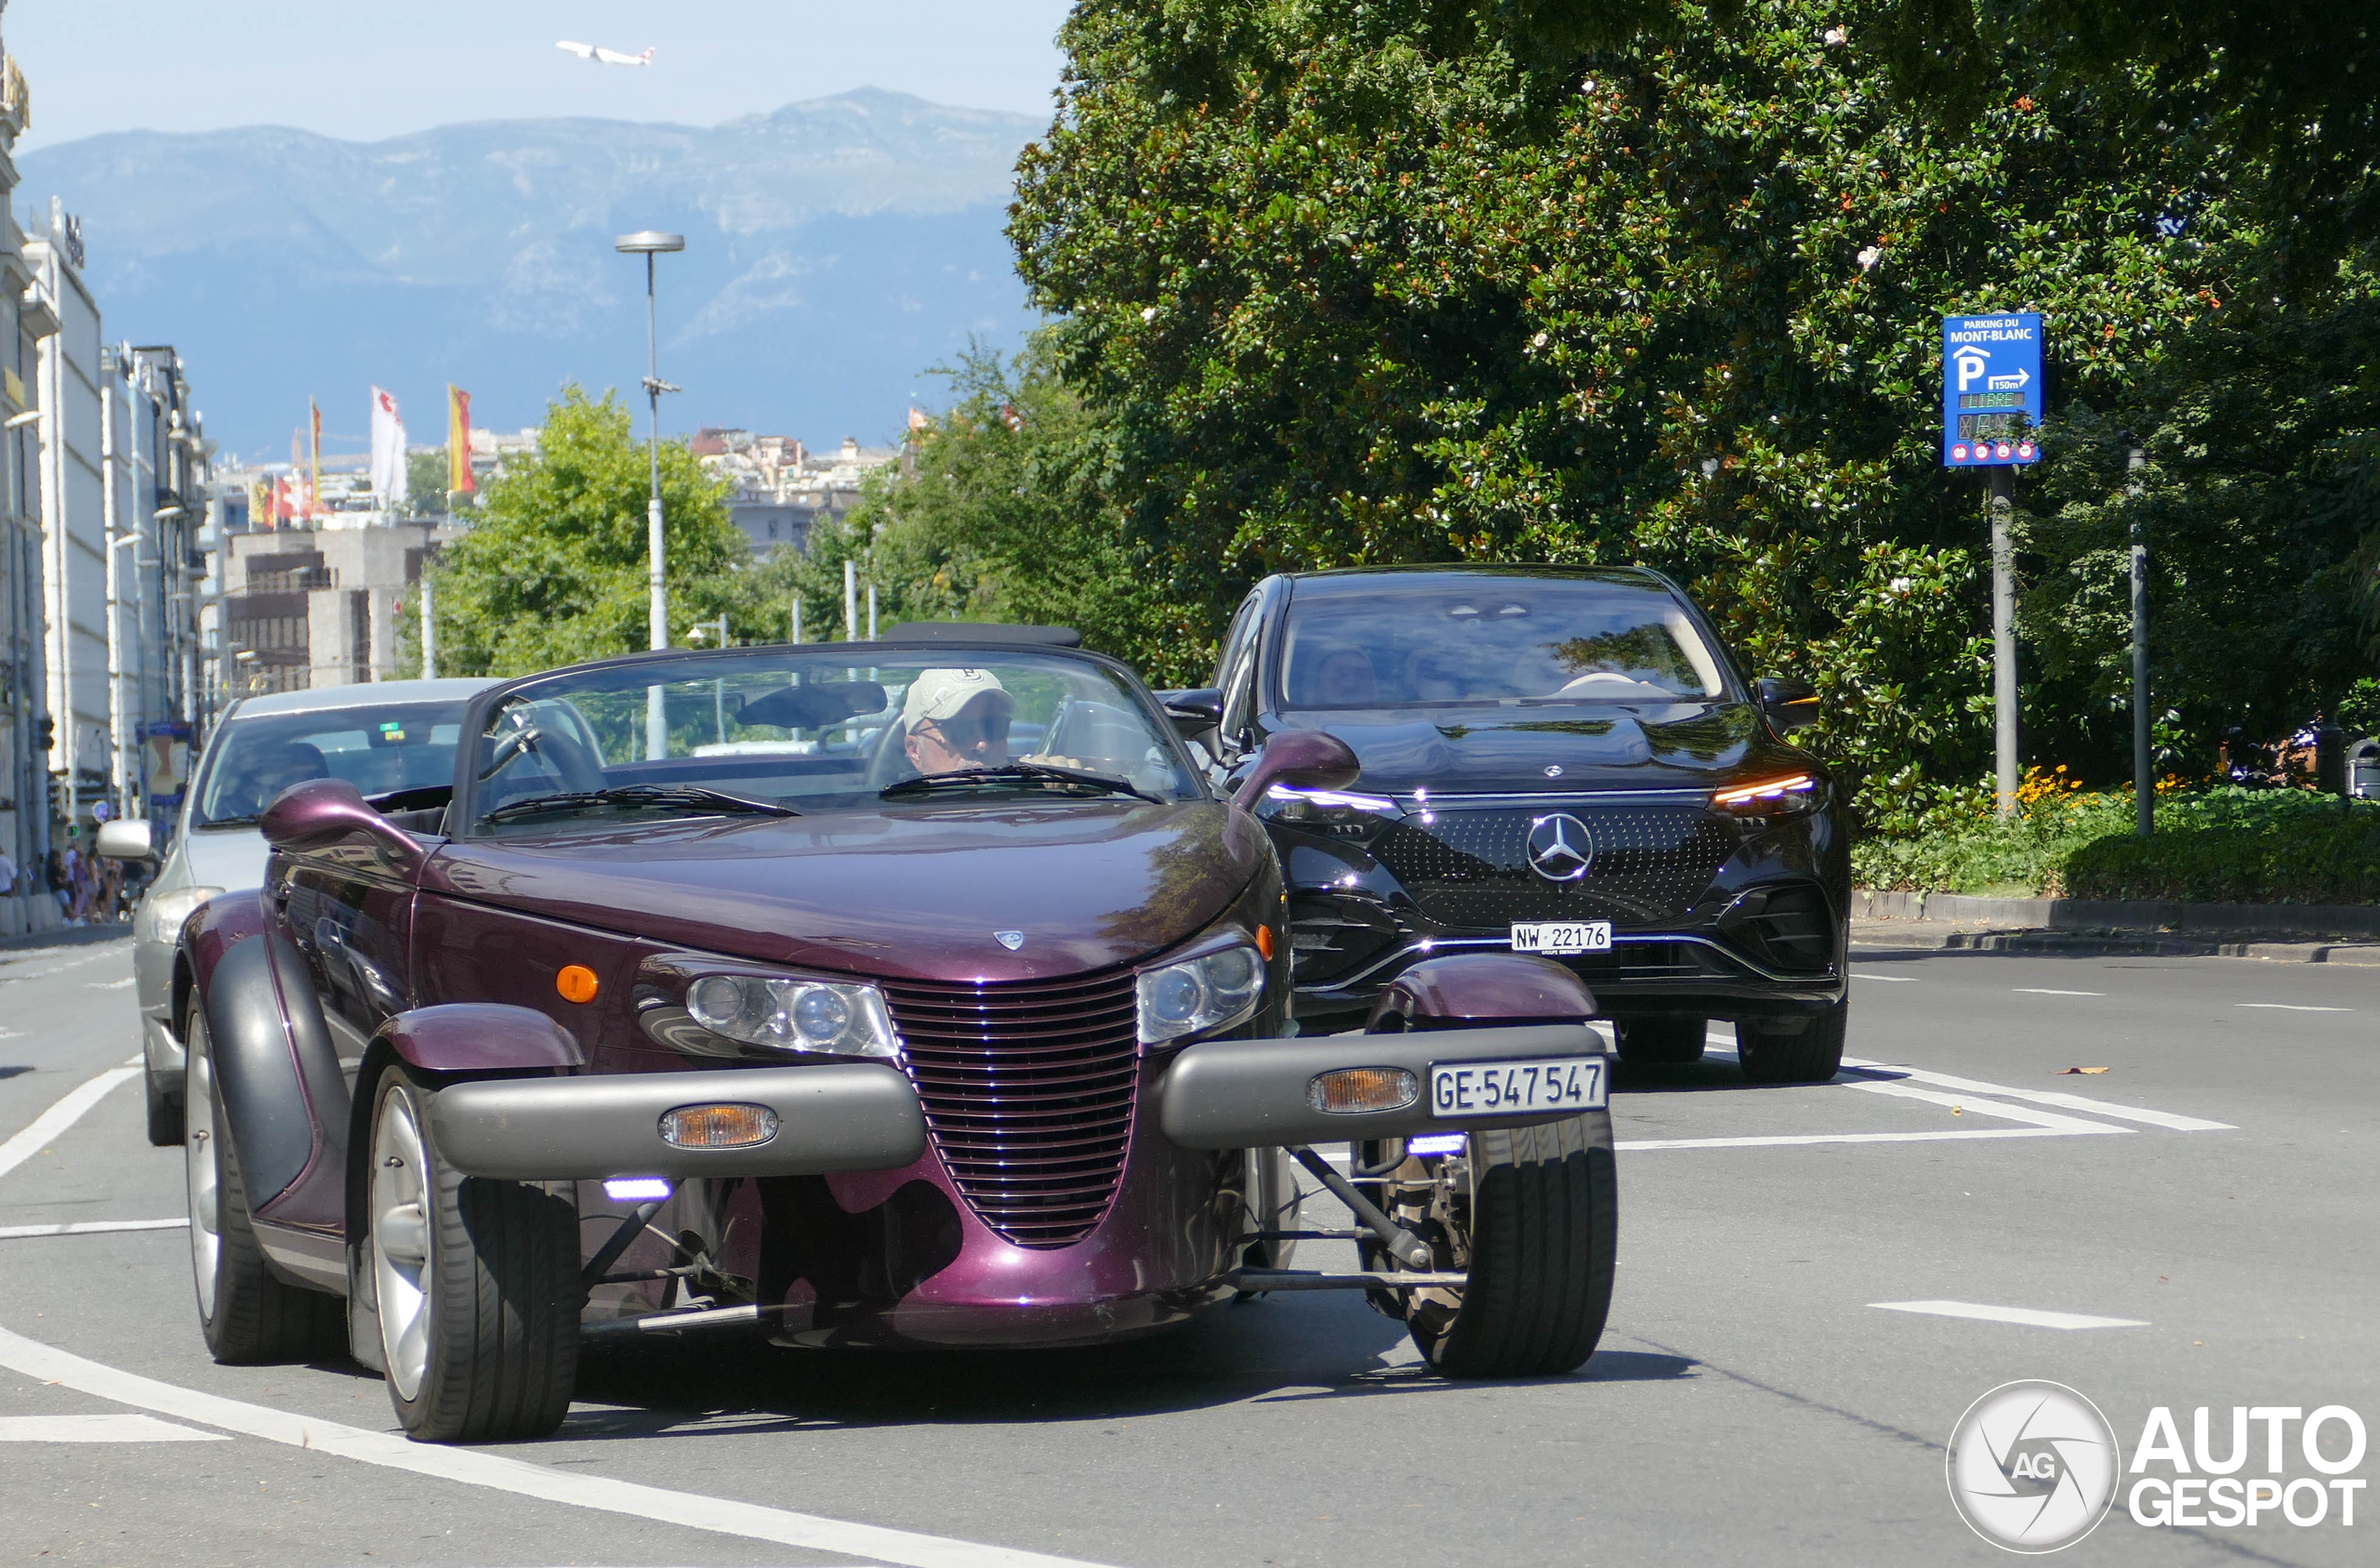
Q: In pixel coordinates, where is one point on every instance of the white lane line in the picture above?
(1888, 980)
(1988, 1108)
(2044, 1097)
(2292, 1008)
(1782, 1141)
(59, 1117)
(2045, 991)
(89, 1227)
(107, 984)
(7, 978)
(120, 1427)
(2029, 1317)
(478, 1468)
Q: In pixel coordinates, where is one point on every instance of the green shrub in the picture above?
(2224, 846)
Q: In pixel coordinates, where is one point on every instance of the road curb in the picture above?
(1944, 936)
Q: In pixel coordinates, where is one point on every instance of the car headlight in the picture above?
(795, 1015)
(161, 914)
(1212, 990)
(1756, 801)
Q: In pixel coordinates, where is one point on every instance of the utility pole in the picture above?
(428, 634)
(797, 619)
(112, 509)
(2144, 788)
(851, 599)
(2002, 507)
(871, 612)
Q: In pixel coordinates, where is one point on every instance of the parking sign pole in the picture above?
(2144, 788)
(2002, 505)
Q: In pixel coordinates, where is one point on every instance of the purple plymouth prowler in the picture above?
(917, 991)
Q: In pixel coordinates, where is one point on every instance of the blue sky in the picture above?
(364, 71)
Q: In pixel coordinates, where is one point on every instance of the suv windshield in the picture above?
(1432, 642)
(378, 749)
(849, 727)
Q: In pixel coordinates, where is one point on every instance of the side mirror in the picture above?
(1193, 712)
(316, 813)
(1789, 703)
(1304, 760)
(125, 841)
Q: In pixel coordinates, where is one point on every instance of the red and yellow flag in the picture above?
(314, 485)
(458, 442)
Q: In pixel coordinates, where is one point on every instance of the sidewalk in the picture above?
(2283, 933)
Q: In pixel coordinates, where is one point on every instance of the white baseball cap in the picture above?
(938, 694)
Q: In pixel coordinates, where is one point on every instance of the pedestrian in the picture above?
(59, 871)
(8, 875)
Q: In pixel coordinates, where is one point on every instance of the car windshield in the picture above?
(1431, 641)
(849, 727)
(378, 749)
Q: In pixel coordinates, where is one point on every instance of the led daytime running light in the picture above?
(1334, 798)
(1767, 789)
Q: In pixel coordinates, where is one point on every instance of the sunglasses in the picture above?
(962, 732)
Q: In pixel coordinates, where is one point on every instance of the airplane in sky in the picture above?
(594, 55)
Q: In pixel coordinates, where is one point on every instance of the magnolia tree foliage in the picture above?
(554, 570)
(1404, 280)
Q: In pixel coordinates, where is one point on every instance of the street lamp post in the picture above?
(649, 243)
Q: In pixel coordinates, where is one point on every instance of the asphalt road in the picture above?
(1750, 1404)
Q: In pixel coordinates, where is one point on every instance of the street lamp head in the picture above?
(649, 242)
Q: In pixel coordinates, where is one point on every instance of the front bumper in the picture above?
(1645, 972)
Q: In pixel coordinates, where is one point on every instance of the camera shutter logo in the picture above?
(1560, 848)
(2033, 1466)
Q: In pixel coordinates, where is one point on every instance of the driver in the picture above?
(265, 772)
(956, 720)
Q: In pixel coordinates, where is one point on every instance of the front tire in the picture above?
(1812, 1056)
(249, 1315)
(475, 1284)
(1532, 1215)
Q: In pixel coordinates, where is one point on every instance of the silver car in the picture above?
(393, 739)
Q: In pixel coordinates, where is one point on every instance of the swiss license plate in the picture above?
(1504, 1088)
(1561, 936)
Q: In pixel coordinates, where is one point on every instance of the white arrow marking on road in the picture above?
(61, 1117)
(89, 1227)
(2029, 1316)
(1986, 1108)
(119, 1426)
(2166, 1119)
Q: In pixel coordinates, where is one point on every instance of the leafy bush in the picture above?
(2222, 846)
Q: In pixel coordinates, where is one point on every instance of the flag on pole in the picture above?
(458, 442)
(314, 484)
(387, 451)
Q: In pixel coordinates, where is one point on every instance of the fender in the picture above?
(480, 1038)
(285, 1097)
(1476, 990)
(212, 929)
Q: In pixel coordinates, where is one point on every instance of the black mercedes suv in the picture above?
(1562, 762)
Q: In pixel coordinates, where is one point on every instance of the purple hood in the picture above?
(914, 892)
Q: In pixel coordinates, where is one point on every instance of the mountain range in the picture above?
(836, 250)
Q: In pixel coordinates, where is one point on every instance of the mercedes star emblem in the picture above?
(1010, 939)
(1560, 848)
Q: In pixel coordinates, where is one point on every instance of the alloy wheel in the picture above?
(401, 1271)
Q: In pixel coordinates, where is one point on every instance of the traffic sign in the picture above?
(1991, 389)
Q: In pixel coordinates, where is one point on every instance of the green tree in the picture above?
(1406, 280)
(554, 570)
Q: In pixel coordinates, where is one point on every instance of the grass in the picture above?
(2221, 844)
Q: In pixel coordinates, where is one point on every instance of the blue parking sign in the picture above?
(1991, 389)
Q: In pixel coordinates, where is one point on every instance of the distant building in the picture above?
(321, 607)
(781, 488)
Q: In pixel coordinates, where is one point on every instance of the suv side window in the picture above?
(1235, 674)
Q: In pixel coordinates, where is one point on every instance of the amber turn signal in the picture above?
(1264, 941)
(719, 1126)
(576, 983)
(1350, 1089)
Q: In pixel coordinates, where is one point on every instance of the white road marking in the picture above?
(2029, 1316)
(2045, 991)
(1780, 1140)
(120, 1427)
(107, 984)
(59, 1117)
(473, 1467)
(54, 969)
(89, 1227)
(1986, 1108)
(2044, 1097)
(1888, 980)
(2293, 1007)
